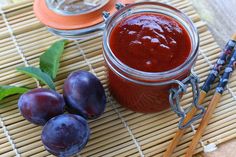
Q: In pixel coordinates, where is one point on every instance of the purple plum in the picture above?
(65, 135)
(84, 95)
(39, 105)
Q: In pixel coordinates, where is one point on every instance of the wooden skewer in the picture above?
(215, 100)
(206, 87)
(180, 133)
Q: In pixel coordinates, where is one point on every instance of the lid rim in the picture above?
(68, 13)
(60, 22)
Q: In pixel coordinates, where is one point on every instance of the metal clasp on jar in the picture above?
(106, 14)
(177, 93)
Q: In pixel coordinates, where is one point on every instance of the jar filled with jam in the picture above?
(150, 49)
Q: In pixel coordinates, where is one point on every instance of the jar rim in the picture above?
(152, 76)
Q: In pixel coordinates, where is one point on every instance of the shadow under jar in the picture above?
(148, 47)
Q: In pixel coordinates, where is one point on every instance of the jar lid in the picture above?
(74, 14)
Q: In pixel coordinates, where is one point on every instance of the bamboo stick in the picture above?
(106, 142)
(10, 112)
(4, 140)
(27, 27)
(189, 11)
(130, 153)
(207, 32)
(43, 153)
(20, 129)
(117, 151)
(30, 147)
(5, 42)
(205, 36)
(13, 121)
(205, 40)
(10, 153)
(2, 135)
(15, 25)
(5, 149)
(220, 132)
(182, 4)
(21, 17)
(8, 50)
(31, 135)
(7, 108)
(4, 33)
(112, 146)
(35, 38)
(18, 11)
(176, 1)
(34, 151)
(11, 62)
(16, 6)
(28, 141)
(16, 125)
(188, 136)
(25, 36)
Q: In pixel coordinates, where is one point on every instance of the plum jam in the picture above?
(145, 51)
(150, 42)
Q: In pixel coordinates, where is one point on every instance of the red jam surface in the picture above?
(147, 42)
(150, 42)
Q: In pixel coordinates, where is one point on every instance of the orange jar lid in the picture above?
(53, 19)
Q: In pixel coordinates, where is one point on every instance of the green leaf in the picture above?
(38, 74)
(50, 60)
(6, 91)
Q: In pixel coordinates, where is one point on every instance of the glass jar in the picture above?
(150, 92)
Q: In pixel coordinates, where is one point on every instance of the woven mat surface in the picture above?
(119, 132)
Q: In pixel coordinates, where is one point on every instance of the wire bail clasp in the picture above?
(106, 14)
(176, 94)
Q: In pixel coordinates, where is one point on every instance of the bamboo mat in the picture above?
(119, 132)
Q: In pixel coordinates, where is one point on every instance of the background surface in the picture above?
(220, 16)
